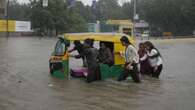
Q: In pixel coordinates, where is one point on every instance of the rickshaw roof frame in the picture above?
(107, 37)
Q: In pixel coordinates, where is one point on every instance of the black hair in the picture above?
(141, 44)
(125, 40)
(89, 42)
(103, 43)
(77, 42)
(151, 46)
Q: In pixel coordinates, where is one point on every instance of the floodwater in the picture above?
(25, 83)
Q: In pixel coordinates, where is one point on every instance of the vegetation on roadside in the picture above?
(176, 16)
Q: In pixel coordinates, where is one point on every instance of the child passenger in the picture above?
(155, 59)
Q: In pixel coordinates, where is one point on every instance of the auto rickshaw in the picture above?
(59, 60)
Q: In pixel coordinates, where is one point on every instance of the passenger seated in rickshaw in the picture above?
(91, 55)
(79, 47)
(105, 55)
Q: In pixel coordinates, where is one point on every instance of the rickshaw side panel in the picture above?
(106, 71)
(118, 60)
(64, 72)
(110, 72)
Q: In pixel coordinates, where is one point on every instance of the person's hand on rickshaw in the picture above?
(74, 56)
(129, 67)
(121, 53)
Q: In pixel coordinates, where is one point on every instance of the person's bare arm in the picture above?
(71, 50)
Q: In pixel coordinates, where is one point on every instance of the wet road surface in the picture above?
(25, 83)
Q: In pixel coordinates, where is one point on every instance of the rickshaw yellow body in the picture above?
(106, 37)
(106, 71)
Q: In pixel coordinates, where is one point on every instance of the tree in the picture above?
(108, 9)
(18, 11)
(57, 16)
(85, 11)
(127, 9)
(176, 16)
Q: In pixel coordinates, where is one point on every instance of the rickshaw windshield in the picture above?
(60, 48)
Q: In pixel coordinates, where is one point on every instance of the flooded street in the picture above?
(25, 83)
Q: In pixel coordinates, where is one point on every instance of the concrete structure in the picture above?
(15, 26)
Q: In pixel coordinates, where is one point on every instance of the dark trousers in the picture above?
(93, 74)
(156, 73)
(84, 62)
(145, 68)
(134, 73)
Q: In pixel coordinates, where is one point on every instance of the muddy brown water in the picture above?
(25, 83)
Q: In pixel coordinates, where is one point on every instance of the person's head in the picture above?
(77, 42)
(102, 45)
(149, 45)
(125, 41)
(89, 42)
(141, 46)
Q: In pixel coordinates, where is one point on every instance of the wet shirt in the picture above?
(154, 58)
(131, 55)
(91, 55)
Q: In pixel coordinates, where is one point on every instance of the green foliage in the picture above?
(85, 11)
(176, 16)
(104, 9)
(18, 11)
(56, 17)
(108, 9)
(127, 10)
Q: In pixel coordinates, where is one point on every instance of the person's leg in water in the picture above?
(156, 73)
(93, 75)
(135, 73)
(98, 73)
(124, 74)
(84, 62)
